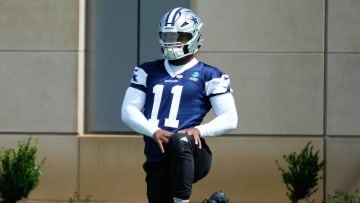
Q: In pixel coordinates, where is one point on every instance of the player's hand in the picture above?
(195, 133)
(160, 137)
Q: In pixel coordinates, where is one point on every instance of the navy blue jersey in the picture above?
(179, 102)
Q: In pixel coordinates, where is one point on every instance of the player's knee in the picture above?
(179, 142)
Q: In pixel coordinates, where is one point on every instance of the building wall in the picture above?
(39, 51)
(294, 70)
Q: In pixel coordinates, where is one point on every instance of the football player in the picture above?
(166, 102)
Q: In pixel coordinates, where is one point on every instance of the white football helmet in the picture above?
(180, 33)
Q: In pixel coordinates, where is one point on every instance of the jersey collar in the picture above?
(176, 70)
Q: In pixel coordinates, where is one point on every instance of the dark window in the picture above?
(119, 36)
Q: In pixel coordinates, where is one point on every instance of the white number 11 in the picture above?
(171, 120)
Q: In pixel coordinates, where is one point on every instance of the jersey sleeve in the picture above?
(138, 79)
(218, 83)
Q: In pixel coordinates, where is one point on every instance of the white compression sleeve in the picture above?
(131, 112)
(225, 116)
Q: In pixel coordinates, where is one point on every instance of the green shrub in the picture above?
(302, 174)
(19, 171)
(342, 197)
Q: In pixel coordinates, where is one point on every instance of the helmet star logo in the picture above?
(194, 19)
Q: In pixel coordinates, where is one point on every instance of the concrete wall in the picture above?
(39, 51)
(293, 67)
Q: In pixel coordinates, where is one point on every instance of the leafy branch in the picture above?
(302, 175)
